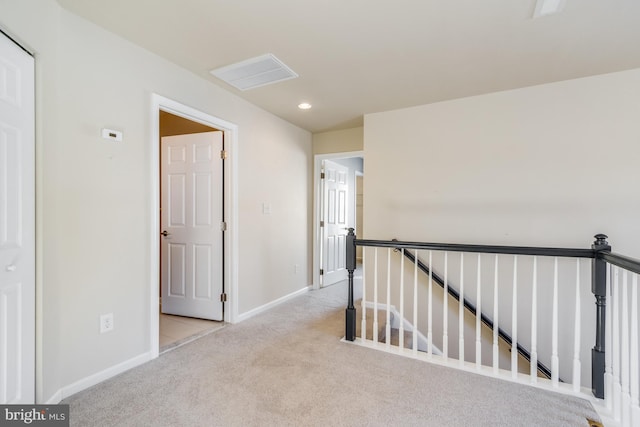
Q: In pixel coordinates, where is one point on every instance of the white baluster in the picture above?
(387, 327)
(461, 313)
(533, 368)
(495, 318)
(430, 302)
(615, 352)
(445, 313)
(363, 323)
(375, 297)
(624, 353)
(415, 305)
(576, 333)
(634, 356)
(608, 377)
(514, 321)
(479, 316)
(555, 362)
(401, 328)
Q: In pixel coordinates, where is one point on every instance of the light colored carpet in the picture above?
(287, 367)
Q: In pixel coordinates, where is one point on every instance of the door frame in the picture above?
(318, 205)
(355, 206)
(230, 264)
(33, 345)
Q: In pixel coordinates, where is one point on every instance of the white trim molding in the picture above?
(270, 305)
(98, 377)
(230, 130)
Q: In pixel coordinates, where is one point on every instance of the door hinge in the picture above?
(321, 175)
(321, 271)
(223, 297)
(223, 226)
(321, 223)
(223, 154)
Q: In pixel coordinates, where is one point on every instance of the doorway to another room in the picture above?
(338, 183)
(192, 239)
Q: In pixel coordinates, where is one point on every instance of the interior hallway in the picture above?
(287, 366)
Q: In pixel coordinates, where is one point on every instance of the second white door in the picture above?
(334, 232)
(191, 225)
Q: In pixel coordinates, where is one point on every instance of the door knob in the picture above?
(11, 267)
(164, 233)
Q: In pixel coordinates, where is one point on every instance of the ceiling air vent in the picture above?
(255, 72)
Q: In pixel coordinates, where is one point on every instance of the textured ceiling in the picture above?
(362, 56)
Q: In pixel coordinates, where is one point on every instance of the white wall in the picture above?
(338, 141)
(549, 165)
(94, 197)
(545, 165)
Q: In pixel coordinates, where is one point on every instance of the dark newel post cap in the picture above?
(601, 239)
(352, 231)
(601, 242)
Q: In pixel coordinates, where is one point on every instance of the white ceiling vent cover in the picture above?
(255, 72)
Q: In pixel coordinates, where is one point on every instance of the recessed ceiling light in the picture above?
(548, 7)
(304, 106)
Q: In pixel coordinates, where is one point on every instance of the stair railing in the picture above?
(615, 361)
(616, 350)
(471, 308)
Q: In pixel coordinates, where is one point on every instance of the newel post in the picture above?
(599, 289)
(350, 330)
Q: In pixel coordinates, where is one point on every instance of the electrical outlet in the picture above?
(106, 323)
(295, 269)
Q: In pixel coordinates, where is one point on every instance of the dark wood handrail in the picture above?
(489, 249)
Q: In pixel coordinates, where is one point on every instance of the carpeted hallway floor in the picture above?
(287, 367)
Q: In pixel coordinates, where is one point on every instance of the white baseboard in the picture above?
(267, 306)
(55, 399)
(98, 377)
(101, 376)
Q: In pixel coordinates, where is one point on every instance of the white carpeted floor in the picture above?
(287, 367)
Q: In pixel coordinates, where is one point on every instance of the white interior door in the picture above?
(334, 232)
(191, 216)
(17, 225)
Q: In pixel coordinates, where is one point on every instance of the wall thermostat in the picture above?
(112, 135)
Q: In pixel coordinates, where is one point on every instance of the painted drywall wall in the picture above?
(338, 141)
(94, 196)
(546, 165)
(549, 165)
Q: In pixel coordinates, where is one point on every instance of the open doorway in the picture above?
(335, 210)
(169, 119)
(190, 268)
